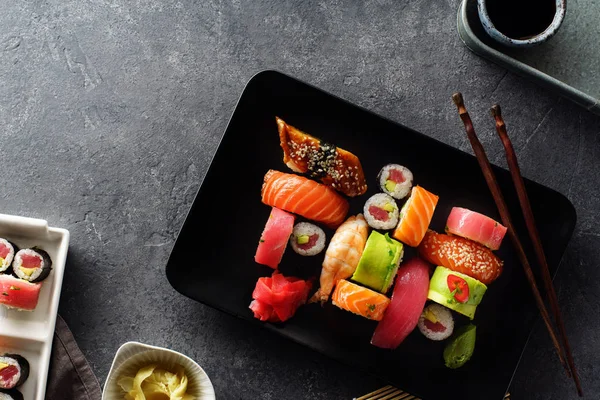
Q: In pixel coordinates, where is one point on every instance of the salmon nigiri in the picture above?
(304, 197)
(461, 255)
(342, 255)
(415, 216)
(359, 300)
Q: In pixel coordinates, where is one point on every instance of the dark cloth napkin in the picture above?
(70, 376)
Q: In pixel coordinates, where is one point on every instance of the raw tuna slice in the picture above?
(408, 300)
(274, 238)
(17, 293)
(277, 298)
(477, 227)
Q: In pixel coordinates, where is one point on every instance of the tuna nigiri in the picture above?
(406, 306)
(18, 293)
(342, 255)
(477, 227)
(332, 165)
(461, 255)
(305, 197)
(415, 216)
(359, 300)
(274, 238)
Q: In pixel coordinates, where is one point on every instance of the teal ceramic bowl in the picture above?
(559, 16)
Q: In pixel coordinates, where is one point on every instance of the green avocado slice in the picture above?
(460, 347)
(441, 294)
(379, 262)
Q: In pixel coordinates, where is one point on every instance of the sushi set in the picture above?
(360, 268)
(32, 261)
(364, 240)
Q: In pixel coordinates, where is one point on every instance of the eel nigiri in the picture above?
(475, 226)
(274, 238)
(415, 216)
(305, 197)
(359, 300)
(342, 255)
(334, 166)
(461, 255)
(406, 306)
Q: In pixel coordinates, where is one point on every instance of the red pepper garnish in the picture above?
(459, 287)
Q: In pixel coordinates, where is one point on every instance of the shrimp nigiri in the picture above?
(342, 255)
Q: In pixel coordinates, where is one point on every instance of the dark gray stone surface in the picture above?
(110, 111)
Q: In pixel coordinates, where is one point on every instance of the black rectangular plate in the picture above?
(213, 258)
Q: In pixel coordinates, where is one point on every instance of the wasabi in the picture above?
(460, 347)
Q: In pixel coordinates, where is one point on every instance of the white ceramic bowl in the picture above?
(133, 355)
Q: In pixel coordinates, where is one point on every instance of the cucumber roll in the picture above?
(33, 264)
(458, 292)
(14, 371)
(10, 395)
(7, 254)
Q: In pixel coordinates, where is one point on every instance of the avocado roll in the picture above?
(379, 262)
(32, 264)
(458, 292)
(10, 395)
(381, 212)
(395, 180)
(14, 371)
(7, 254)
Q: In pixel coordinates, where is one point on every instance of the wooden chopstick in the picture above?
(517, 178)
(486, 168)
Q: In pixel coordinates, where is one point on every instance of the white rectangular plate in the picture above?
(27, 333)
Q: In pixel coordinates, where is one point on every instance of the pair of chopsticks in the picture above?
(515, 172)
(392, 393)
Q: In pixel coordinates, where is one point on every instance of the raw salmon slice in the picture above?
(475, 226)
(415, 216)
(359, 300)
(304, 197)
(461, 255)
(406, 306)
(18, 293)
(274, 238)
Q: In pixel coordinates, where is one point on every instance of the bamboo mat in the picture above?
(392, 393)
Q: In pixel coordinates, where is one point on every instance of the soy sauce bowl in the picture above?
(559, 16)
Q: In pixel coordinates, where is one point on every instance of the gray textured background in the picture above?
(110, 111)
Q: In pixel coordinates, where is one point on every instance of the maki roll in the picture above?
(14, 371)
(307, 239)
(436, 322)
(10, 395)
(7, 254)
(381, 212)
(395, 180)
(33, 264)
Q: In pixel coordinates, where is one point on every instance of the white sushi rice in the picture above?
(400, 189)
(10, 361)
(19, 262)
(9, 257)
(443, 316)
(382, 201)
(306, 229)
(6, 396)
